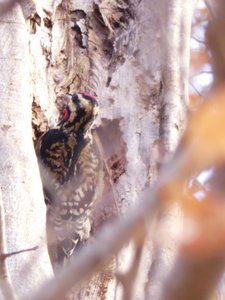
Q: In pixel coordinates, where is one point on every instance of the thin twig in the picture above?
(6, 255)
(198, 40)
(196, 90)
(5, 280)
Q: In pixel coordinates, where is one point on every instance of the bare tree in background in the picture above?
(135, 56)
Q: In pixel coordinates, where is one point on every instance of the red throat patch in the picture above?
(66, 113)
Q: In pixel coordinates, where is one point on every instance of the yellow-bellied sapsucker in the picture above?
(71, 171)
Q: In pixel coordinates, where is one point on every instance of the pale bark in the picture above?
(135, 57)
(20, 184)
(5, 279)
(174, 33)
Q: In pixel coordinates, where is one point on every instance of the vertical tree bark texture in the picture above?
(20, 184)
(174, 19)
(145, 88)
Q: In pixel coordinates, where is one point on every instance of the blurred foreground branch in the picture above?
(198, 149)
(109, 242)
(6, 255)
(201, 146)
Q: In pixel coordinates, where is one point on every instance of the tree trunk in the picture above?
(134, 55)
(21, 189)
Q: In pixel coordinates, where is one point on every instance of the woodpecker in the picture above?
(71, 171)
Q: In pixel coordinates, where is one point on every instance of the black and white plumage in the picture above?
(71, 171)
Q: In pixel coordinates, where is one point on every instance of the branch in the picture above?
(196, 90)
(189, 159)
(5, 280)
(6, 255)
(198, 40)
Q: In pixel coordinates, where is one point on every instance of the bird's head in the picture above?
(80, 113)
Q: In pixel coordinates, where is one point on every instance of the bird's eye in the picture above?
(66, 113)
